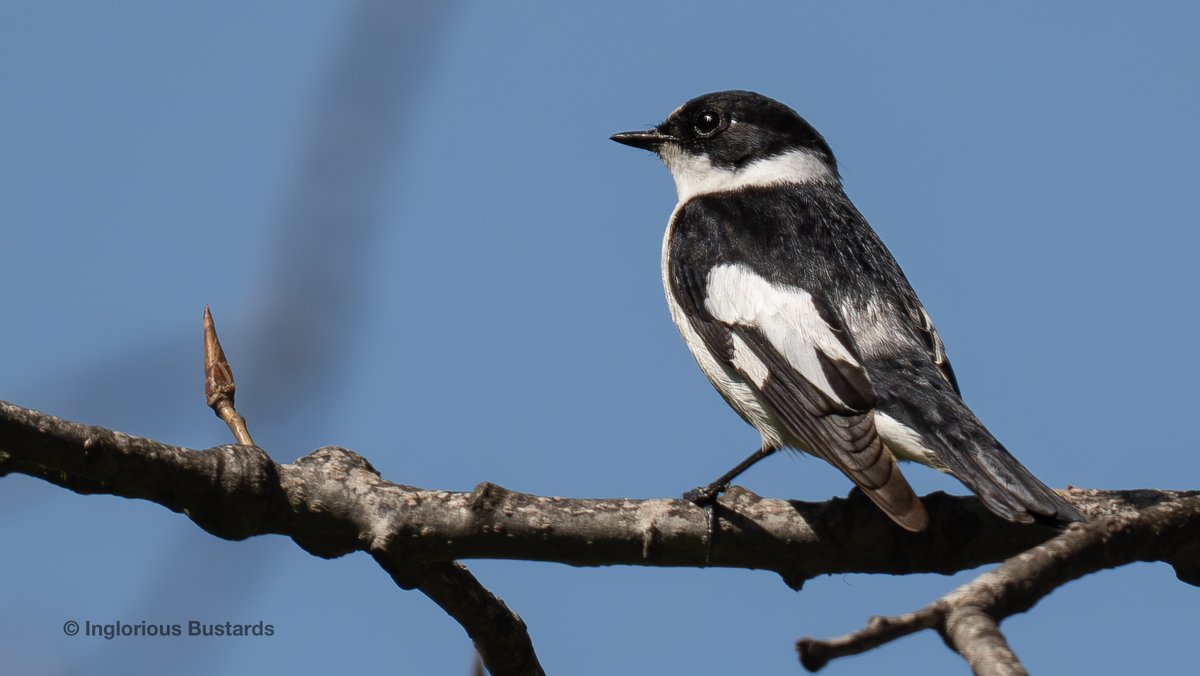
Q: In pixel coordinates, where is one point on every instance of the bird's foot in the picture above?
(706, 497)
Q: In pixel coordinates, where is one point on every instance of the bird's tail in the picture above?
(1004, 485)
(921, 417)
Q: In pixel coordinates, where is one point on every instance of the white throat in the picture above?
(695, 174)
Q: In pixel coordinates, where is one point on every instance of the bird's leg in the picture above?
(706, 496)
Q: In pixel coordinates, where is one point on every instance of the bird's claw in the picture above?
(705, 497)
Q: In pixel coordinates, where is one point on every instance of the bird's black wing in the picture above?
(788, 347)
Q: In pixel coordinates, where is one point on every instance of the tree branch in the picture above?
(235, 492)
(332, 502)
(500, 635)
(968, 617)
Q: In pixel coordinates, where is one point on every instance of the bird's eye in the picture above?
(707, 123)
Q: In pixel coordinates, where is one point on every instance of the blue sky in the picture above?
(471, 292)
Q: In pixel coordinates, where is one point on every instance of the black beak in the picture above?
(646, 140)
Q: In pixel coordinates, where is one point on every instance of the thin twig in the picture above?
(219, 387)
(814, 654)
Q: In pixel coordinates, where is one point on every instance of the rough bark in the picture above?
(332, 502)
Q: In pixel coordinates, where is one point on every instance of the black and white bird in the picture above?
(804, 322)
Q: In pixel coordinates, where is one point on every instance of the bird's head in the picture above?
(729, 140)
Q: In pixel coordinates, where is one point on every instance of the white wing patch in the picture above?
(695, 174)
(785, 315)
(748, 363)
